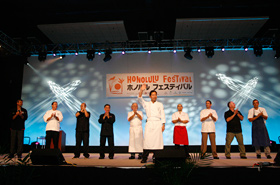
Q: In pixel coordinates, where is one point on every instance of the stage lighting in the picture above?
(42, 56)
(174, 51)
(61, 57)
(223, 49)
(149, 51)
(258, 51)
(90, 54)
(123, 52)
(187, 54)
(107, 57)
(99, 53)
(209, 52)
(245, 48)
(76, 53)
(198, 50)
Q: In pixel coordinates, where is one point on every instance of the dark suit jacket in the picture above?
(106, 125)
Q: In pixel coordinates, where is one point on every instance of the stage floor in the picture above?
(121, 160)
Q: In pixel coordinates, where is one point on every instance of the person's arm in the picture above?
(78, 114)
(86, 113)
(186, 120)
(101, 120)
(16, 114)
(111, 119)
(241, 117)
(139, 116)
(129, 118)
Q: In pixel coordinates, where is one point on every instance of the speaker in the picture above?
(47, 157)
(170, 155)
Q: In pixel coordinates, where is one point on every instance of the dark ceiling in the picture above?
(20, 18)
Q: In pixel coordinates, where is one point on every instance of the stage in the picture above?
(124, 170)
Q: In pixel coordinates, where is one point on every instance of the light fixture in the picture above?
(245, 48)
(149, 51)
(42, 56)
(107, 57)
(174, 51)
(198, 50)
(277, 52)
(209, 52)
(99, 53)
(61, 57)
(123, 52)
(223, 49)
(258, 50)
(187, 54)
(90, 54)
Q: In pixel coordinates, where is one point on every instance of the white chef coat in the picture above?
(53, 124)
(208, 125)
(153, 138)
(183, 116)
(255, 112)
(135, 133)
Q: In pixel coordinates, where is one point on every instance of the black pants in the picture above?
(186, 148)
(16, 140)
(52, 135)
(146, 154)
(110, 143)
(82, 136)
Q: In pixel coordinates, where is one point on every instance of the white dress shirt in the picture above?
(135, 120)
(208, 125)
(53, 124)
(183, 116)
(255, 112)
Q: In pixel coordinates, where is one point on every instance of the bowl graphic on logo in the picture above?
(116, 85)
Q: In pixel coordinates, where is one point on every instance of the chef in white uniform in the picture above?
(208, 117)
(153, 139)
(135, 132)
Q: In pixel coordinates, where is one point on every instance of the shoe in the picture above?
(86, 156)
(243, 157)
(143, 160)
(216, 157)
(228, 157)
(139, 156)
(268, 157)
(75, 157)
(131, 157)
(111, 157)
(101, 157)
(259, 156)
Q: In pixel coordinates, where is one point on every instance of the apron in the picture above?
(259, 133)
(153, 139)
(180, 136)
(135, 139)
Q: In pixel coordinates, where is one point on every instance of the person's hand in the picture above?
(236, 111)
(260, 114)
(163, 127)
(179, 120)
(143, 87)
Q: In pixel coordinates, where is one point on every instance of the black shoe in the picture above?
(111, 157)
(86, 156)
(243, 157)
(75, 157)
(101, 157)
(143, 160)
(228, 157)
(132, 157)
(268, 157)
(259, 156)
(139, 156)
(216, 157)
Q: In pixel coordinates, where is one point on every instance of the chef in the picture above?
(135, 132)
(153, 139)
(208, 117)
(180, 136)
(53, 118)
(258, 117)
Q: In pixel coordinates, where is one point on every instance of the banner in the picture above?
(166, 84)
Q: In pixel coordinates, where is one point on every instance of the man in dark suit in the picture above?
(106, 120)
